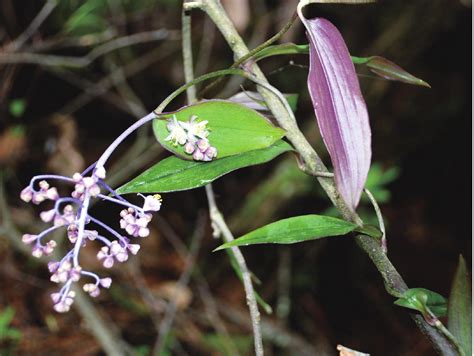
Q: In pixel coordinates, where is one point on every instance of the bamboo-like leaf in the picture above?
(390, 71)
(340, 108)
(293, 230)
(459, 309)
(376, 64)
(175, 174)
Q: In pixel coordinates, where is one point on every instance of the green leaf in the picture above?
(293, 230)
(424, 301)
(233, 128)
(389, 70)
(459, 311)
(87, 19)
(174, 174)
(376, 64)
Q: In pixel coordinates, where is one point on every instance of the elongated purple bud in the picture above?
(339, 107)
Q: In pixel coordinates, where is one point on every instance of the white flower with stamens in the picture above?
(177, 134)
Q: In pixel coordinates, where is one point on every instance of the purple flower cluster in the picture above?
(71, 214)
(192, 135)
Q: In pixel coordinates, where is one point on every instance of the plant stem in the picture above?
(215, 216)
(222, 227)
(378, 212)
(394, 283)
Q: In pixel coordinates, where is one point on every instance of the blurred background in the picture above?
(85, 70)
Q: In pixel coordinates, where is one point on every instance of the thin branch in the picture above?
(221, 226)
(81, 62)
(378, 212)
(48, 7)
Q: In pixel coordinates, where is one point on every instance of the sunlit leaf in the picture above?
(233, 127)
(293, 230)
(460, 307)
(174, 174)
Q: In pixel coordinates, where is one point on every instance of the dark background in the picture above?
(336, 296)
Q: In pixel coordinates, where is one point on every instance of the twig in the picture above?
(383, 240)
(182, 281)
(394, 283)
(48, 7)
(103, 85)
(215, 215)
(221, 226)
(81, 62)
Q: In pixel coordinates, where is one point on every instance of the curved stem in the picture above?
(378, 212)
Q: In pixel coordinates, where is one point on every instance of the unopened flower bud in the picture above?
(26, 194)
(203, 145)
(198, 155)
(100, 172)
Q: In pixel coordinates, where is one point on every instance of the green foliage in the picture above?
(376, 64)
(460, 304)
(174, 174)
(424, 301)
(219, 343)
(293, 230)
(234, 128)
(17, 107)
(89, 18)
(7, 333)
(378, 179)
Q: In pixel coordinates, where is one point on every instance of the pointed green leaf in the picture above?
(424, 300)
(173, 174)
(376, 64)
(459, 311)
(292, 230)
(389, 70)
(233, 128)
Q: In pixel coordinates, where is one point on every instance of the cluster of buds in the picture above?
(192, 135)
(71, 213)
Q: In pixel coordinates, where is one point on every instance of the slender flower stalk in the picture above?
(71, 213)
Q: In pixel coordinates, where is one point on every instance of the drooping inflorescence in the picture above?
(192, 135)
(71, 214)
